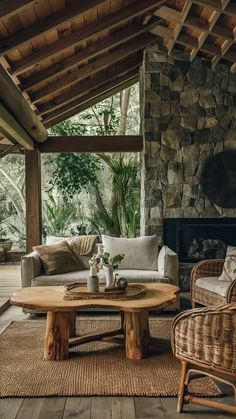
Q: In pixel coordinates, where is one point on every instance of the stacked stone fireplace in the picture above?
(189, 113)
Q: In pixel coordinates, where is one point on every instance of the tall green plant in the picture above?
(58, 217)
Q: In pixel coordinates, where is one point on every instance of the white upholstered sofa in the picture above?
(165, 270)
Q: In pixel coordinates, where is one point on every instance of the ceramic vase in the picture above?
(93, 284)
(109, 276)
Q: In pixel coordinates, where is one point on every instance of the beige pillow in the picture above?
(140, 252)
(57, 258)
(229, 268)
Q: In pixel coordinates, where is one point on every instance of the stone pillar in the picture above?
(188, 114)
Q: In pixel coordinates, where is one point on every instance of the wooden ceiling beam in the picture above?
(218, 6)
(20, 109)
(92, 144)
(43, 26)
(8, 149)
(126, 13)
(226, 46)
(187, 40)
(167, 13)
(92, 51)
(104, 61)
(218, 30)
(230, 56)
(81, 88)
(9, 8)
(203, 25)
(215, 15)
(91, 102)
(163, 32)
(9, 125)
(178, 25)
(96, 95)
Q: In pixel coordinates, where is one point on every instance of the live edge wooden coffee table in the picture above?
(61, 315)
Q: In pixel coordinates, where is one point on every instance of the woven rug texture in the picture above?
(93, 369)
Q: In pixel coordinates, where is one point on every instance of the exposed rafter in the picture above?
(75, 38)
(43, 26)
(89, 99)
(102, 62)
(81, 88)
(91, 102)
(20, 109)
(92, 51)
(218, 6)
(62, 57)
(12, 7)
(204, 34)
(9, 125)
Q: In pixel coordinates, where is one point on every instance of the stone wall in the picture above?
(189, 113)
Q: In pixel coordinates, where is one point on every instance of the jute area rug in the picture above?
(97, 368)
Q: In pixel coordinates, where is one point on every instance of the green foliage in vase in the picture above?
(112, 262)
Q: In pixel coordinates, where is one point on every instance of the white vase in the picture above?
(109, 276)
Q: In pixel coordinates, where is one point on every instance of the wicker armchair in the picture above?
(206, 338)
(205, 287)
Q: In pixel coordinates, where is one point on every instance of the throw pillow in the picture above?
(229, 268)
(140, 252)
(57, 258)
(83, 245)
(55, 239)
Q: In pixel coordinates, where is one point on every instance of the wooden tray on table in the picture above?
(77, 291)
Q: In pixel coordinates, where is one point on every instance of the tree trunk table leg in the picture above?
(137, 335)
(72, 326)
(56, 344)
(122, 317)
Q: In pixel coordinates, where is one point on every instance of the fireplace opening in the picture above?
(198, 239)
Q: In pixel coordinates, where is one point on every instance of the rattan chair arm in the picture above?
(204, 268)
(231, 293)
(206, 335)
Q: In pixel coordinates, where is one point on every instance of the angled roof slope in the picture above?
(65, 55)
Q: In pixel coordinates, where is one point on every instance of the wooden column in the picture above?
(33, 199)
(137, 335)
(56, 343)
(72, 324)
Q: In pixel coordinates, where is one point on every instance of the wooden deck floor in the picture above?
(86, 407)
(9, 281)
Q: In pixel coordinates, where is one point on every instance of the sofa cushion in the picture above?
(213, 284)
(138, 275)
(229, 268)
(82, 276)
(140, 252)
(57, 258)
(168, 264)
(76, 276)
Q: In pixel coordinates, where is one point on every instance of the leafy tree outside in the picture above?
(82, 192)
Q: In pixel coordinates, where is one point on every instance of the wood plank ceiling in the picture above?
(65, 55)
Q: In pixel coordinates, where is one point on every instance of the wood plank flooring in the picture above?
(87, 407)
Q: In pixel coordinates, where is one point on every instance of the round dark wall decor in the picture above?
(218, 179)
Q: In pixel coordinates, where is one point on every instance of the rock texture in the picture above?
(189, 113)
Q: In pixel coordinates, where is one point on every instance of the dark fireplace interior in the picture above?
(195, 239)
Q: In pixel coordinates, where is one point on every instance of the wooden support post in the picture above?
(33, 199)
(137, 334)
(72, 324)
(56, 344)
